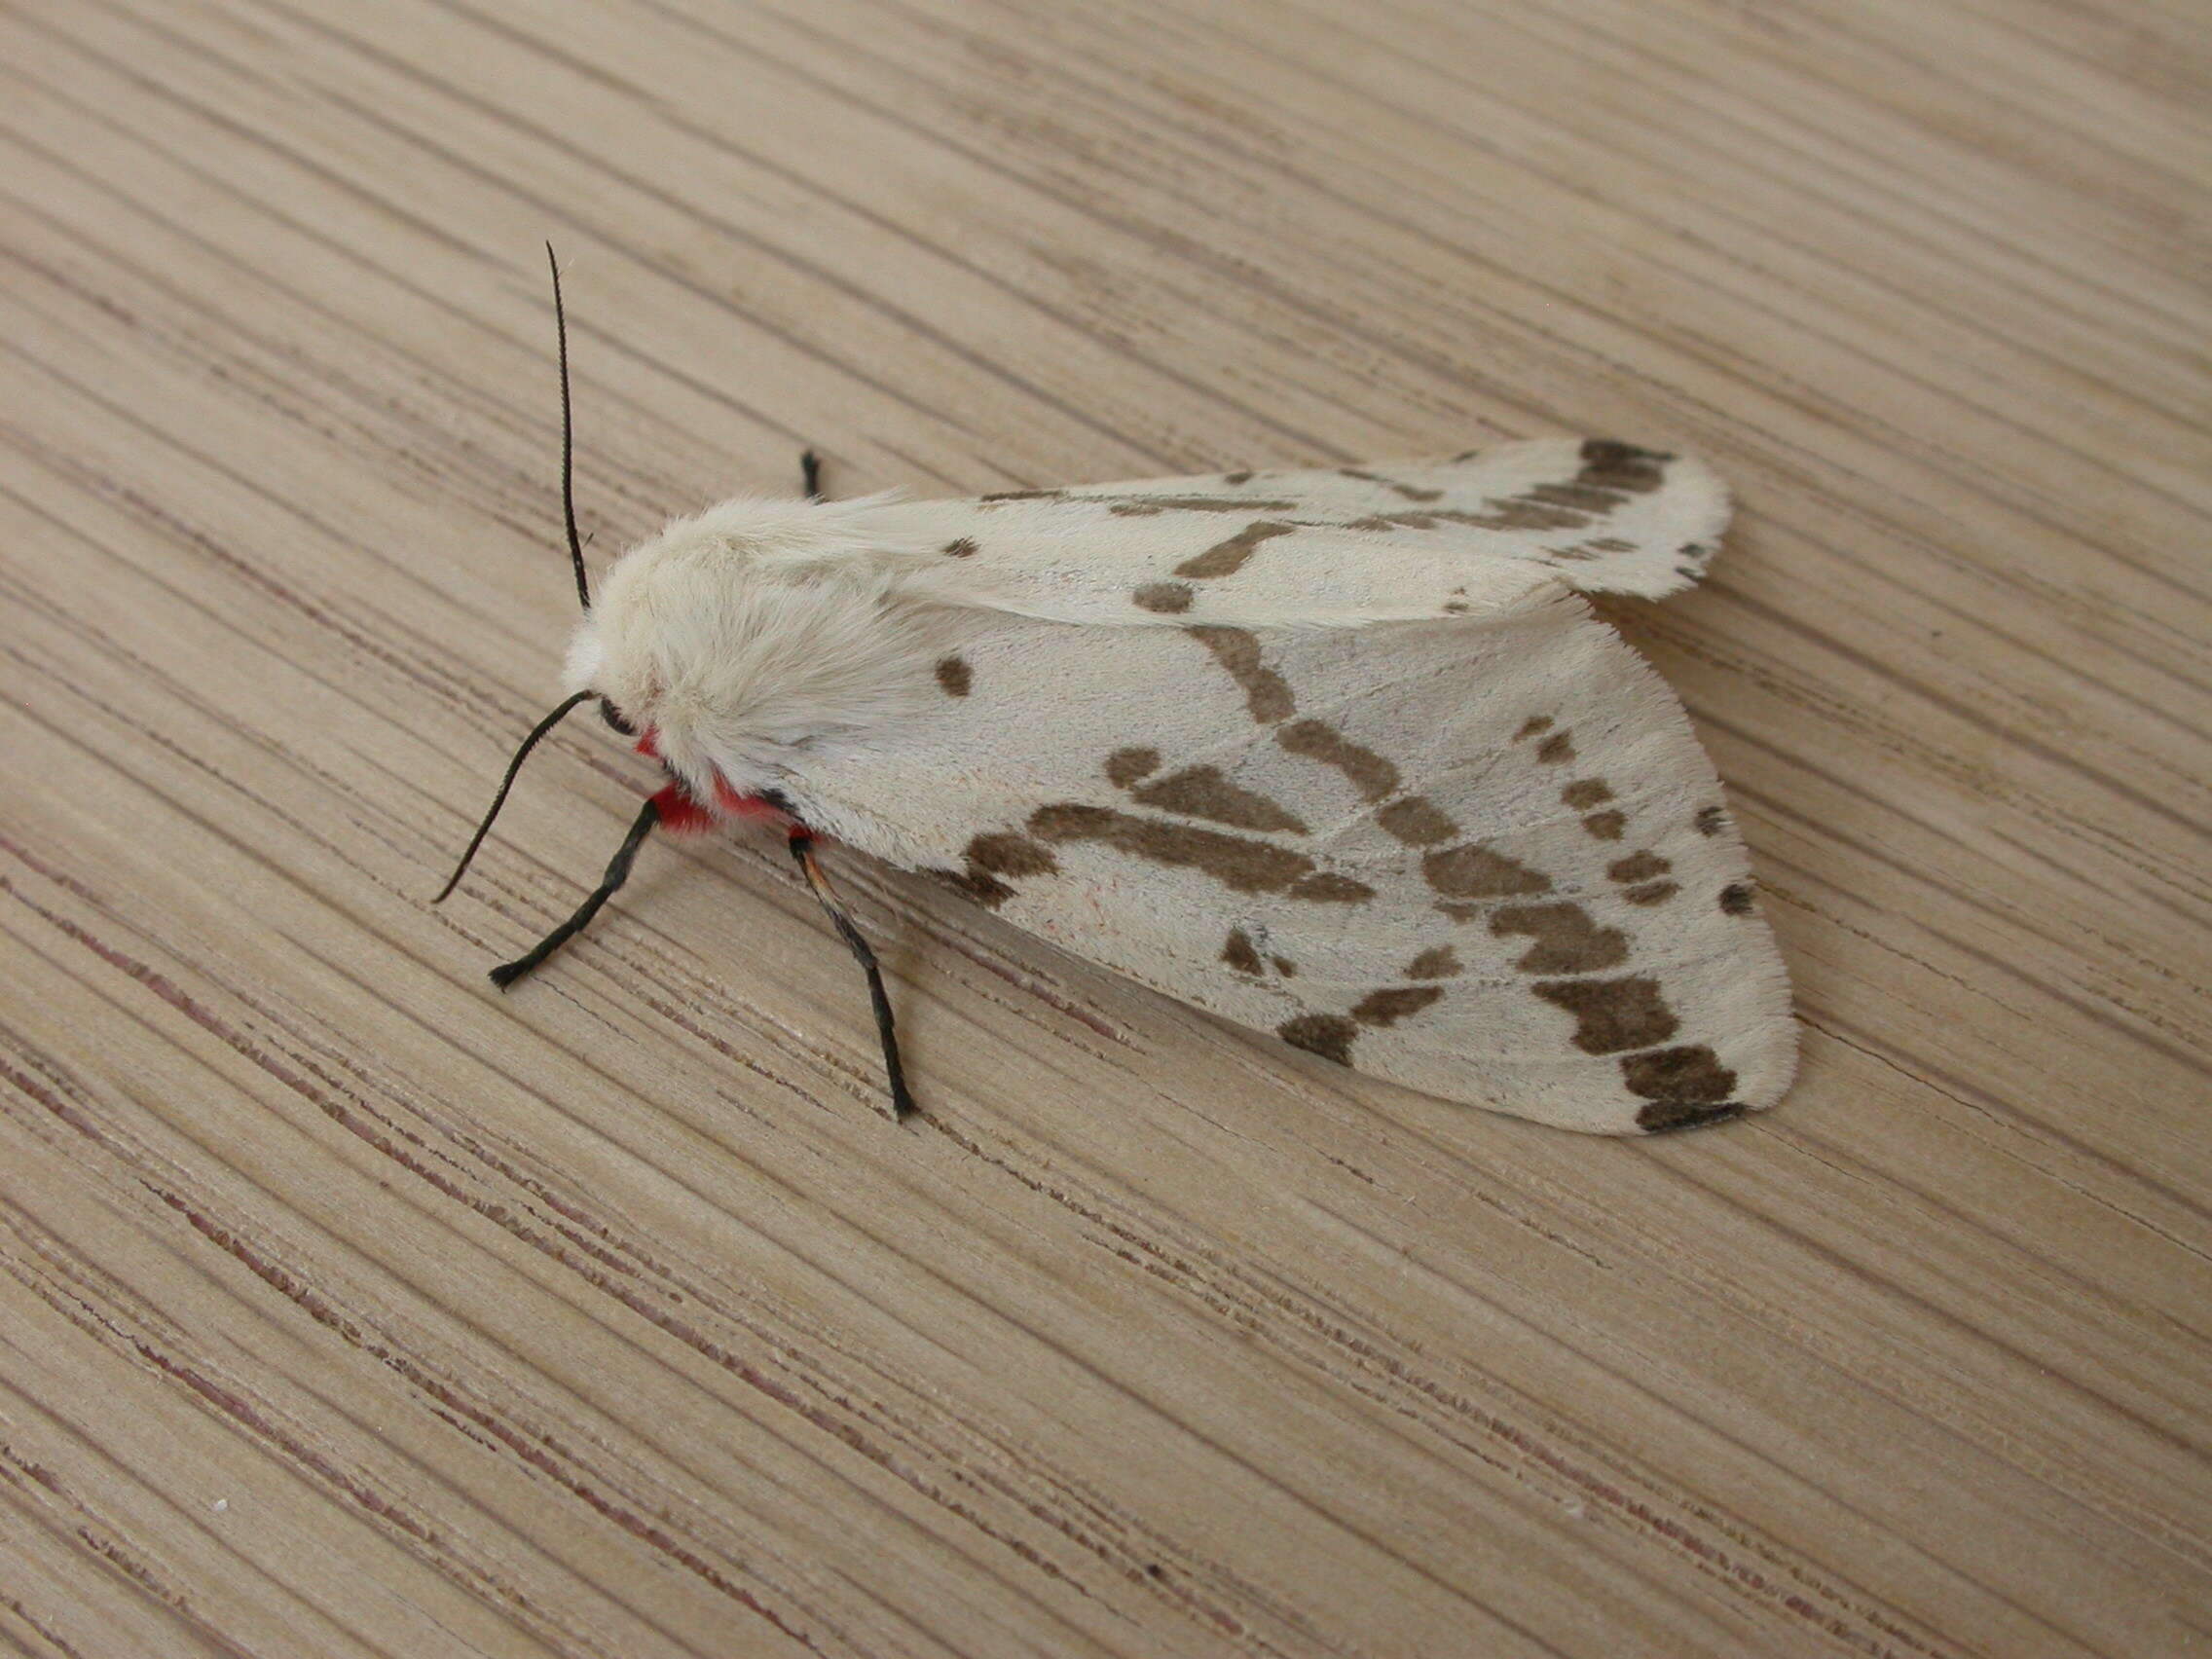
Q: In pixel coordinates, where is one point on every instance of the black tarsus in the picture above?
(802, 851)
(810, 474)
(617, 873)
(568, 438)
(505, 784)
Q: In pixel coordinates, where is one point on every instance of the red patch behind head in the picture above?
(683, 815)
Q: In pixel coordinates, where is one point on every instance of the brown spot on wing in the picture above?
(1023, 495)
(1472, 872)
(1239, 954)
(1737, 899)
(1586, 792)
(1411, 492)
(1168, 599)
(1370, 773)
(1202, 791)
(1666, 1117)
(990, 857)
(1439, 962)
(961, 548)
(1556, 750)
(1326, 887)
(1238, 649)
(1710, 819)
(1530, 726)
(1417, 821)
(1227, 558)
(1388, 1007)
(1143, 506)
(1008, 854)
(1612, 1014)
(1678, 1074)
(1637, 866)
(1329, 1034)
(1650, 893)
(1606, 825)
(1124, 766)
(1241, 864)
(953, 676)
(1237, 478)
(1567, 939)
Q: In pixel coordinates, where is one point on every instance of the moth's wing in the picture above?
(1483, 858)
(1344, 546)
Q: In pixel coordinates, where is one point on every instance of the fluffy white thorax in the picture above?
(755, 631)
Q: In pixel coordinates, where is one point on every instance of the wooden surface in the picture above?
(351, 1309)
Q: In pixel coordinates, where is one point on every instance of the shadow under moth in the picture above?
(1339, 755)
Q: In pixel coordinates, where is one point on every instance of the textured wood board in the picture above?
(351, 1309)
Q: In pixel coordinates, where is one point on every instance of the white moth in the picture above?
(1342, 756)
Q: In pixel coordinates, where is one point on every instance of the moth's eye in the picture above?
(613, 715)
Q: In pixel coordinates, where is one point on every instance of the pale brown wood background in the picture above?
(351, 1309)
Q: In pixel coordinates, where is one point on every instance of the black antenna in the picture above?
(568, 438)
(617, 873)
(505, 784)
(802, 850)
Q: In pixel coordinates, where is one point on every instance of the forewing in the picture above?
(1485, 858)
(1348, 545)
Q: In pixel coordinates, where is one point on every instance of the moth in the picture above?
(1339, 755)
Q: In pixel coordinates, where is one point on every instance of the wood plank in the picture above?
(352, 1309)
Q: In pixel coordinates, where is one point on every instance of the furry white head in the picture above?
(757, 630)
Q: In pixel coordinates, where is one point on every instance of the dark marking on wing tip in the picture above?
(1329, 1034)
(1611, 453)
(1168, 599)
(1237, 478)
(1456, 607)
(1533, 724)
(954, 676)
(1672, 1116)
(1710, 819)
(1556, 750)
(1737, 899)
(960, 548)
(1692, 1076)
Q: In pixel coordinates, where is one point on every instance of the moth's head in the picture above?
(736, 640)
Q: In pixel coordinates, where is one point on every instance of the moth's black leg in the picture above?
(810, 475)
(617, 873)
(802, 851)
